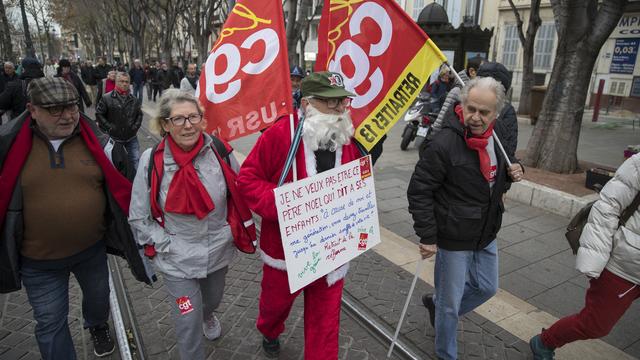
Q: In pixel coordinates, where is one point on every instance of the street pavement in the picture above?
(535, 265)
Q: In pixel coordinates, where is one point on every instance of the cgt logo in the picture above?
(361, 57)
(228, 63)
(184, 305)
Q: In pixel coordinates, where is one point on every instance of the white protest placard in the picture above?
(327, 220)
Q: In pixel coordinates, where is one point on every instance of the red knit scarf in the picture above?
(186, 193)
(478, 143)
(122, 92)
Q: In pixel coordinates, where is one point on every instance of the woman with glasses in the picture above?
(186, 214)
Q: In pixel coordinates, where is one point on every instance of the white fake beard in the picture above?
(326, 131)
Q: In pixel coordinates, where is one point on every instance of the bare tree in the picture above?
(583, 26)
(204, 18)
(31, 52)
(7, 47)
(528, 42)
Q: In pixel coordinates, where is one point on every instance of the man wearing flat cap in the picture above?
(64, 205)
(326, 143)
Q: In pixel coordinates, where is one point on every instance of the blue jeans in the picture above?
(47, 286)
(133, 151)
(137, 91)
(464, 280)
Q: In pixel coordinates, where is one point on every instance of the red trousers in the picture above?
(321, 312)
(607, 299)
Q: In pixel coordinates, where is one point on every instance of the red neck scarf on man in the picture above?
(478, 143)
(122, 92)
(109, 85)
(186, 193)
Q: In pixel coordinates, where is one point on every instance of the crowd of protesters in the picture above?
(78, 189)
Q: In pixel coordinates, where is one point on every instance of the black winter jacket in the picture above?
(118, 237)
(450, 201)
(77, 83)
(119, 116)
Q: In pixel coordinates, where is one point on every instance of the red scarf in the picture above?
(186, 193)
(478, 143)
(118, 185)
(109, 85)
(122, 92)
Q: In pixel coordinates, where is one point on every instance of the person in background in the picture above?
(137, 76)
(65, 201)
(175, 75)
(439, 89)
(609, 255)
(87, 73)
(467, 74)
(51, 68)
(102, 69)
(13, 100)
(455, 199)
(8, 75)
(119, 114)
(187, 217)
(106, 85)
(190, 81)
(64, 71)
(297, 74)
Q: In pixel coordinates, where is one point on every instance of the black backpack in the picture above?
(576, 225)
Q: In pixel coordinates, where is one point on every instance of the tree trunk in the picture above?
(7, 46)
(292, 36)
(31, 52)
(527, 78)
(582, 30)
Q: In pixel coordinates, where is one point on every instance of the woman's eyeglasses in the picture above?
(180, 120)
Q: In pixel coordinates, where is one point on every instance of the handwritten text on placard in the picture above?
(327, 220)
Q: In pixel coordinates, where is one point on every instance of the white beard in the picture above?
(326, 131)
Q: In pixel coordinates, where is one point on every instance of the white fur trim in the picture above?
(310, 160)
(337, 274)
(272, 262)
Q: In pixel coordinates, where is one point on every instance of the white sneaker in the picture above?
(212, 328)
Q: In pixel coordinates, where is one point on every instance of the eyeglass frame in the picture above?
(339, 101)
(72, 108)
(186, 118)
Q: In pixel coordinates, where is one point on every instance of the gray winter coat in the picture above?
(605, 245)
(186, 247)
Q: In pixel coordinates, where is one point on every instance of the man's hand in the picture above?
(427, 251)
(516, 172)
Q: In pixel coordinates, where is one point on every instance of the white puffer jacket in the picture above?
(605, 245)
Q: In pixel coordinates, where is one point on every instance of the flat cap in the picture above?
(51, 91)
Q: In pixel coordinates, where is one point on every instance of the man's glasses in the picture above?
(59, 109)
(333, 103)
(180, 120)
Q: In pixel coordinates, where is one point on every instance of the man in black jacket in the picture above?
(455, 198)
(119, 114)
(14, 97)
(65, 207)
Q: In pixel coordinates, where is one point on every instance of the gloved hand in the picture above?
(149, 251)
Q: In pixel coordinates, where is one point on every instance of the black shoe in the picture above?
(103, 344)
(427, 301)
(271, 347)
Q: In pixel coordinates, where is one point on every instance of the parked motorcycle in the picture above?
(419, 120)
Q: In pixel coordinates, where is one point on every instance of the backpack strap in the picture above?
(151, 167)
(221, 148)
(626, 214)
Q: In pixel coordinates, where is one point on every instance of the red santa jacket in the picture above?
(259, 175)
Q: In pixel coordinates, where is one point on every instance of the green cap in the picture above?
(324, 84)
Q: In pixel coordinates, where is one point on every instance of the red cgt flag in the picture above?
(384, 56)
(245, 86)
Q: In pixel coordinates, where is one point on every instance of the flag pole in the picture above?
(295, 167)
(406, 305)
(291, 155)
(495, 137)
